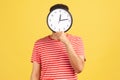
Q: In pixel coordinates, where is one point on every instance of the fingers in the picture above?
(59, 33)
(60, 36)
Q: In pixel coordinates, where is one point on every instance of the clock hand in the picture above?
(63, 19)
(60, 18)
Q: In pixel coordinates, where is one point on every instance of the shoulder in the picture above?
(74, 37)
(41, 40)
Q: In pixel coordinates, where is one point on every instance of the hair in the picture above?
(62, 6)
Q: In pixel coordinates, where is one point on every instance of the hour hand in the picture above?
(60, 18)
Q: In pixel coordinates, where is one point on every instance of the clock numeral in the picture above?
(59, 29)
(68, 15)
(51, 25)
(64, 12)
(64, 29)
(52, 15)
(59, 10)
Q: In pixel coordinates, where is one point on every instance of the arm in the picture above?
(35, 75)
(77, 62)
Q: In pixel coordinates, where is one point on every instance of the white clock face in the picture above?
(59, 20)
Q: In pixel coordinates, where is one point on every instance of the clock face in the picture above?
(59, 20)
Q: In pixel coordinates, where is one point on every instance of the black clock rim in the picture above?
(70, 16)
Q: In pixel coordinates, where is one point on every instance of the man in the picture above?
(59, 56)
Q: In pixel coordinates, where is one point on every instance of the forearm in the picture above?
(75, 61)
(35, 77)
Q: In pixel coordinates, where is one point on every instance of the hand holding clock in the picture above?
(60, 36)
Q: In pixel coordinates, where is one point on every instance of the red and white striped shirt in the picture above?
(53, 57)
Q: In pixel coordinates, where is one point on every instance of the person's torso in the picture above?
(55, 63)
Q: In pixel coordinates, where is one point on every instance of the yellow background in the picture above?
(22, 22)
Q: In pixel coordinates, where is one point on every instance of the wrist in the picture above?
(67, 42)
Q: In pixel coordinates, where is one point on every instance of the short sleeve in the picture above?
(80, 47)
(36, 53)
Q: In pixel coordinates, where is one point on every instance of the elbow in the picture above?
(79, 70)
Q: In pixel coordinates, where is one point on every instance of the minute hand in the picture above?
(63, 19)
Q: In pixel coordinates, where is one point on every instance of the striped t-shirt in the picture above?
(52, 56)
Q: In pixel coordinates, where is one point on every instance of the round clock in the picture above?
(59, 20)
